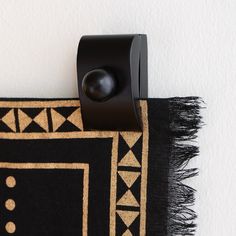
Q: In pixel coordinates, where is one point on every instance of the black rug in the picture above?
(56, 179)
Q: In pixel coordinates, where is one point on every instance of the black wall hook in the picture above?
(112, 77)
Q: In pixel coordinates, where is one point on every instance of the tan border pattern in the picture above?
(17, 105)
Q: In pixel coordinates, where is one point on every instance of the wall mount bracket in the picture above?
(112, 78)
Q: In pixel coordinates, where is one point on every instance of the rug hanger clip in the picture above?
(112, 78)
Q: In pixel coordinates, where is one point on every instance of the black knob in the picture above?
(99, 85)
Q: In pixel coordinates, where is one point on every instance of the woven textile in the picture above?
(56, 179)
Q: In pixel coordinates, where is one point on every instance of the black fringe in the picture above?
(185, 120)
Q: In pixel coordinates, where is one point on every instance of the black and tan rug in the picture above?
(56, 179)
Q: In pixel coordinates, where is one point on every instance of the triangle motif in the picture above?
(128, 199)
(123, 148)
(76, 119)
(65, 111)
(137, 150)
(131, 137)
(67, 126)
(32, 112)
(33, 127)
(4, 111)
(129, 160)
(42, 120)
(9, 120)
(127, 233)
(4, 128)
(57, 119)
(129, 177)
(128, 217)
(24, 120)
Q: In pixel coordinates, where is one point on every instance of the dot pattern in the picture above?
(10, 227)
(10, 182)
(10, 205)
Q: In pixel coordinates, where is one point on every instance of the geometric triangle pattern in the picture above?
(75, 118)
(58, 119)
(127, 233)
(129, 138)
(129, 172)
(33, 120)
(41, 119)
(7, 120)
(129, 160)
(129, 177)
(24, 119)
(128, 217)
(68, 118)
(128, 199)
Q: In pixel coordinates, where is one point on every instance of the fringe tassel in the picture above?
(185, 120)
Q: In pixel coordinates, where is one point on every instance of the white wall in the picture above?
(192, 51)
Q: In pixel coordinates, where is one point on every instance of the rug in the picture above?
(56, 179)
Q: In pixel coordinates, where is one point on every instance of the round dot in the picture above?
(10, 182)
(10, 204)
(10, 227)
